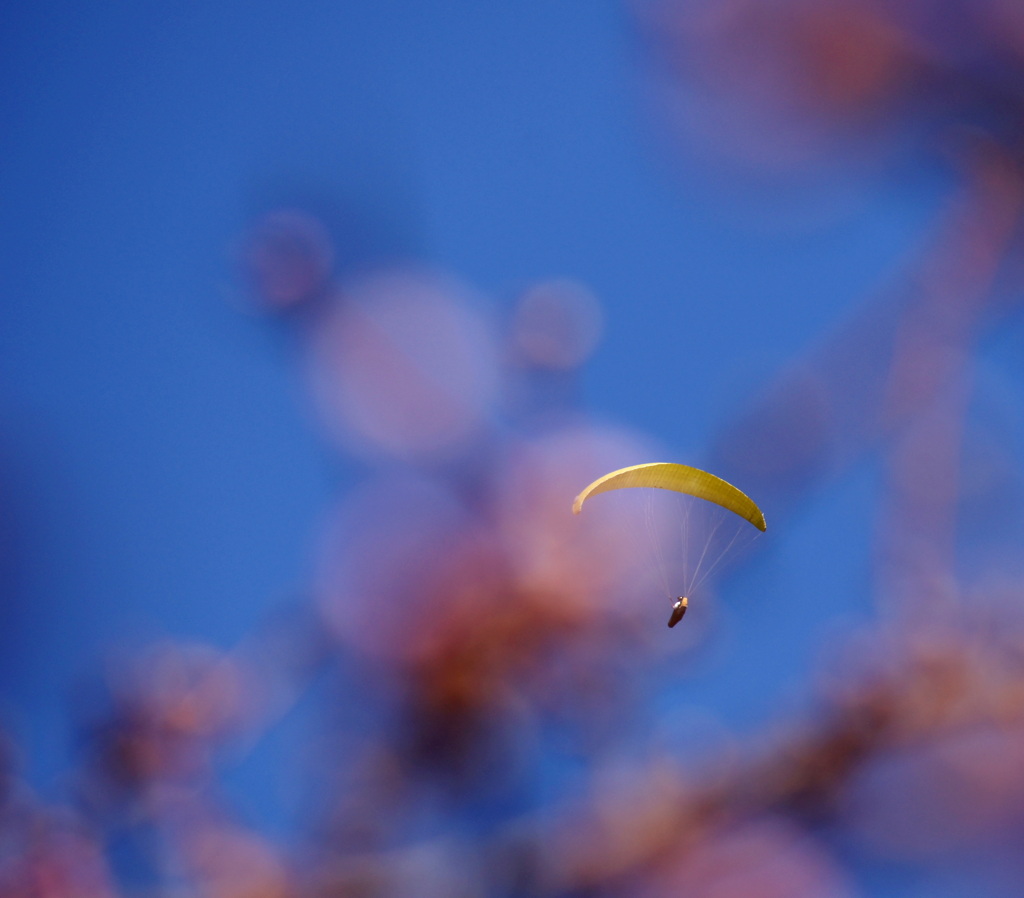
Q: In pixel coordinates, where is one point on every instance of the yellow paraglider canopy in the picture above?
(681, 479)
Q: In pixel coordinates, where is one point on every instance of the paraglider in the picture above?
(680, 479)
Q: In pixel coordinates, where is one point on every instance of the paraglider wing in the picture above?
(681, 479)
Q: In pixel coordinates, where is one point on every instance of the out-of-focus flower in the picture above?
(946, 779)
(442, 868)
(759, 858)
(958, 794)
(785, 85)
(226, 861)
(405, 368)
(556, 325)
(171, 707)
(779, 84)
(53, 855)
(401, 554)
(287, 258)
